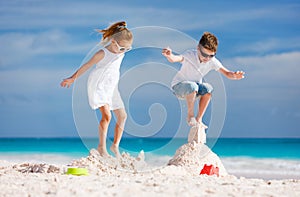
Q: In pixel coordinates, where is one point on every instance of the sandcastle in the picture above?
(195, 154)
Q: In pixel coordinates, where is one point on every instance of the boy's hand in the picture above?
(167, 52)
(238, 75)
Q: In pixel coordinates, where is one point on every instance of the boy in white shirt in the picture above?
(187, 83)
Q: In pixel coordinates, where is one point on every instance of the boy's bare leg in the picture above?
(103, 126)
(190, 100)
(120, 123)
(203, 103)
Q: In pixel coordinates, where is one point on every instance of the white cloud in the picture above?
(269, 45)
(63, 14)
(32, 82)
(283, 66)
(270, 77)
(19, 47)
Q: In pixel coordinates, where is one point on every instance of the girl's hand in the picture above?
(238, 75)
(167, 52)
(67, 82)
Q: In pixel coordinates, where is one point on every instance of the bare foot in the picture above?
(191, 121)
(115, 149)
(200, 123)
(102, 151)
(203, 125)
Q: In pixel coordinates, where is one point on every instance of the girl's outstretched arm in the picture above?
(96, 58)
(167, 52)
(232, 75)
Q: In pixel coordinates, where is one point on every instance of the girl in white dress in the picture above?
(103, 81)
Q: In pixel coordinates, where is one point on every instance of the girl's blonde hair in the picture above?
(118, 31)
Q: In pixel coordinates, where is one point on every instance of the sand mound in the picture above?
(193, 156)
(96, 164)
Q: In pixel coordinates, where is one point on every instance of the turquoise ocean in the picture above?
(285, 148)
(248, 157)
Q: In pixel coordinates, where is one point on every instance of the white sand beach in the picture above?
(132, 176)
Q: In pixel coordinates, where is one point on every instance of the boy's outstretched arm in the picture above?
(232, 75)
(167, 52)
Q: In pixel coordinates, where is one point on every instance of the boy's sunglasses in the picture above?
(206, 55)
(123, 49)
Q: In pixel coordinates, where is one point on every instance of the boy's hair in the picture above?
(209, 41)
(118, 31)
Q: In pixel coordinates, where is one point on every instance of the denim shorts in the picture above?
(182, 89)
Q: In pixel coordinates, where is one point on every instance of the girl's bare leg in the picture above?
(203, 103)
(120, 123)
(103, 126)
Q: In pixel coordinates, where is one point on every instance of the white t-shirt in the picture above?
(193, 70)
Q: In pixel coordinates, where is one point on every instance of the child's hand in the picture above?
(238, 75)
(167, 52)
(67, 82)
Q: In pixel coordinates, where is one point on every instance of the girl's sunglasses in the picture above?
(123, 49)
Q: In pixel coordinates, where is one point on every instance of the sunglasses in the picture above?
(123, 49)
(206, 55)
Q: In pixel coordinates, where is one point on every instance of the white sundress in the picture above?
(103, 82)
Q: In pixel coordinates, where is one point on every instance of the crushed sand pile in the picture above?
(96, 164)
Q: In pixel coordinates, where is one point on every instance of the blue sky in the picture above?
(43, 42)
